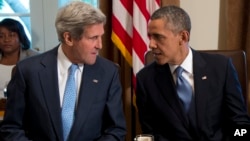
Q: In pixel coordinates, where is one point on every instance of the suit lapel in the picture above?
(201, 80)
(49, 82)
(166, 85)
(91, 82)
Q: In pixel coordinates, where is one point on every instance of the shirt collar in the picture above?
(63, 62)
(187, 64)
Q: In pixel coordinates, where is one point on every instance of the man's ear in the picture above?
(184, 37)
(68, 39)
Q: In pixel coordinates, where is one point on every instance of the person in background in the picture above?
(41, 108)
(186, 95)
(14, 46)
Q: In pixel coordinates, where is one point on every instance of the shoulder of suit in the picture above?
(213, 56)
(106, 62)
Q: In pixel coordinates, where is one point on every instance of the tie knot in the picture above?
(73, 68)
(178, 71)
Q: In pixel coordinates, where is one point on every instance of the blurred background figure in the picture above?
(14, 46)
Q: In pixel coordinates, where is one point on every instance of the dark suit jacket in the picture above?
(218, 101)
(33, 107)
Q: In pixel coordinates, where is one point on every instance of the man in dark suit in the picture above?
(213, 109)
(36, 92)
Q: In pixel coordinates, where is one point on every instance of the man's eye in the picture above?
(94, 38)
(159, 36)
(155, 36)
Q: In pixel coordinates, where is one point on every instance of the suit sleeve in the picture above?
(115, 126)
(235, 106)
(145, 117)
(12, 127)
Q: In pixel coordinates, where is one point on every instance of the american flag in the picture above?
(129, 29)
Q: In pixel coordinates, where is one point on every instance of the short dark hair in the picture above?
(175, 17)
(15, 26)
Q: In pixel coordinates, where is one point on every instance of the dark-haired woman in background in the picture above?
(14, 46)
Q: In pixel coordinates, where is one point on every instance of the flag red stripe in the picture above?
(128, 4)
(143, 8)
(122, 34)
(130, 31)
(140, 46)
(158, 2)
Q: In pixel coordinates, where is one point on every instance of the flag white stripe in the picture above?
(151, 6)
(137, 63)
(123, 16)
(140, 23)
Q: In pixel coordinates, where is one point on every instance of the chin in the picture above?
(90, 62)
(160, 62)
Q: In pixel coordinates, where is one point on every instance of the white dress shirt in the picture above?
(63, 67)
(187, 65)
(5, 77)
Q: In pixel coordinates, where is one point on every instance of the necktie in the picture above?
(184, 89)
(68, 106)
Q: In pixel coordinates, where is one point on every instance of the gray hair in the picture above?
(175, 18)
(74, 17)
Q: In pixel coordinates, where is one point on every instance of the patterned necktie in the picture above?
(184, 89)
(69, 100)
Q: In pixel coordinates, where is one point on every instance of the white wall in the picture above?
(43, 13)
(204, 16)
